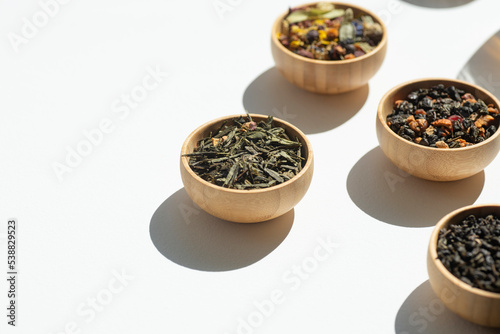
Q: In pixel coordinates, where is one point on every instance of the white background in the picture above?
(187, 272)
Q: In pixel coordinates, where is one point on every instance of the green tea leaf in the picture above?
(274, 175)
(321, 8)
(297, 16)
(285, 142)
(333, 14)
(231, 175)
(256, 135)
(236, 157)
(347, 31)
(302, 15)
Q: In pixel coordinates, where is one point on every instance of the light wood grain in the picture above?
(246, 206)
(433, 163)
(476, 305)
(328, 76)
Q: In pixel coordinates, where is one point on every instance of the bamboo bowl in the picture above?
(475, 305)
(328, 76)
(246, 206)
(428, 162)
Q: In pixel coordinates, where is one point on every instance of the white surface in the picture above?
(77, 234)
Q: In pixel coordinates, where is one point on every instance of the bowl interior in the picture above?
(357, 11)
(212, 126)
(453, 218)
(401, 92)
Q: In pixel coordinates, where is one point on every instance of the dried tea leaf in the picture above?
(274, 175)
(285, 142)
(321, 8)
(367, 19)
(297, 16)
(364, 46)
(231, 175)
(257, 135)
(246, 155)
(285, 27)
(470, 250)
(347, 29)
(328, 11)
(333, 14)
(454, 117)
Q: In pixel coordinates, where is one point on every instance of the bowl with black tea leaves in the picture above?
(328, 47)
(463, 262)
(439, 129)
(246, 168)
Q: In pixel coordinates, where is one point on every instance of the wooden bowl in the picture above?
(475, 305)
(428, 162)
(328, 76)
(246, 206)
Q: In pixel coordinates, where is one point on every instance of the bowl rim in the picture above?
(440, 266)
(275, 29)
(444, 81)
(305, 141)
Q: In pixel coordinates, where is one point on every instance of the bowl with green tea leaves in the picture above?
(328, 47)
(463, 262)
(246, 168)
(439, 129)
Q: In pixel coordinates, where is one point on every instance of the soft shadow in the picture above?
(387, 193)
(272, 94)
(483, 68)
(424, 313)
(187, 235)
(438, 3)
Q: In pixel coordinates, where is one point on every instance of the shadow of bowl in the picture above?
(438, 3)
(271, 94)
(483, 68)
(190, 237)
(424, 312)
(388, 194)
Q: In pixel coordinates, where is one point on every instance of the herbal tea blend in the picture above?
(327, 33)
(247, 155)
(470, 250)
(443, 117)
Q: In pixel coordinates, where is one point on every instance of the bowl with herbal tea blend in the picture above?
(246, 168)
(463, 261)
(439, 129)
(328, 47)
(324, 32)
